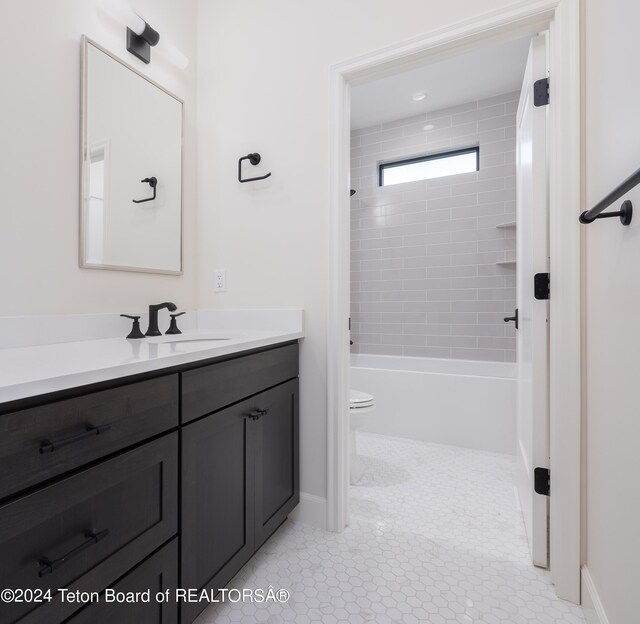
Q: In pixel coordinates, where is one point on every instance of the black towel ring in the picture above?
(254, 159)
(153, 183)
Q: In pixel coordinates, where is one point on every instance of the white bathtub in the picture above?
(458, 402)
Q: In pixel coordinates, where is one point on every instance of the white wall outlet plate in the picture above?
(220, 280)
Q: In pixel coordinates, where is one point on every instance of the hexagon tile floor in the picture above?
(435, 537)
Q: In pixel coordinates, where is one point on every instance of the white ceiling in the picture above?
(492, 70)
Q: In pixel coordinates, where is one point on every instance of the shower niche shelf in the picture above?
(509, 224)
(507, 263)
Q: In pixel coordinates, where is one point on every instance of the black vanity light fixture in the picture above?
(141, 37)
(140, 44)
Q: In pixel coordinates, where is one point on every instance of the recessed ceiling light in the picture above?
(418, 97)
(428, 127)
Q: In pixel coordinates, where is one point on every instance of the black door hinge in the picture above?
(541, 285)
(541, 92)
(542, 481)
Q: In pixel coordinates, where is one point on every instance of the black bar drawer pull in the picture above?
(47, 566)
(258, 413)
(48, 446)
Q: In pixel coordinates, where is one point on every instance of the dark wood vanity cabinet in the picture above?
(197, 467)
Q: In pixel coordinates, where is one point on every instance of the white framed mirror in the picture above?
(131, 168)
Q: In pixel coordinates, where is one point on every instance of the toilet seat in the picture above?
(359, 400)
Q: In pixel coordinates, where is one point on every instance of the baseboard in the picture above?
(311, 510)
(591, 603)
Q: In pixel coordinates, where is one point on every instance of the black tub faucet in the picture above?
(153, 316)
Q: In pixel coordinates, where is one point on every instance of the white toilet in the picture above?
(360, 404)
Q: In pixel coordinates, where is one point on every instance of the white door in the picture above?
(533, 332)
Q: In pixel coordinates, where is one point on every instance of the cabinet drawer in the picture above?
(210, 388)
(39, 443)
(88, 529)
(156, 574)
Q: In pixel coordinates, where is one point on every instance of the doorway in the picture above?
(448, 171)
(561, 19)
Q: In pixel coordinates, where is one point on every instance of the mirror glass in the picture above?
(131, 208)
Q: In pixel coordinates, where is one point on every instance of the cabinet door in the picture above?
(217, 501)
(277, 458)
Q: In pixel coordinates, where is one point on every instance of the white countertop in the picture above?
(34, 370)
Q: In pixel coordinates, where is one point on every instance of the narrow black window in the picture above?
(431, 166)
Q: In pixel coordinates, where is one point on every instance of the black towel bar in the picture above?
(626, 210)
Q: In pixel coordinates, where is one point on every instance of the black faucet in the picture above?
(153, 317)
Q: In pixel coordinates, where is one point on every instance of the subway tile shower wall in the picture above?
(425, 274)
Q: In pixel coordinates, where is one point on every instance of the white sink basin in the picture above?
(180, 338)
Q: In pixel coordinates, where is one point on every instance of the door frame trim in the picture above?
(562, 19)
